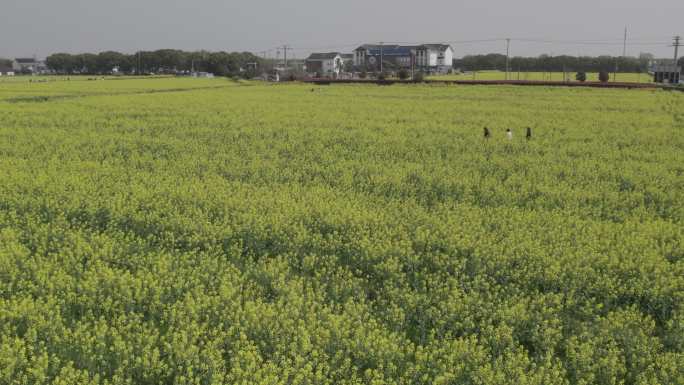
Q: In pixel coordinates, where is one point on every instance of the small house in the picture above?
(325, 64)
(6, 71)
(29, 65)
(206, 75)
(437, 58)
(666, 73)
(434, 58)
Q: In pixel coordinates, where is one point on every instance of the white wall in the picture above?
(328, 66)
(433, 58)
(448, 57)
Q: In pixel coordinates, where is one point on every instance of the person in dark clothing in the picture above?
(529, 133)
(487, 134)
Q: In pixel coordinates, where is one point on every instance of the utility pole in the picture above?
(381, 43)
(676, 45)
(413, 65)
(508, 59)
(565, 74)
(285, 48)
(624, 46)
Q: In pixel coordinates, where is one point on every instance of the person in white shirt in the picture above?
(509, 134)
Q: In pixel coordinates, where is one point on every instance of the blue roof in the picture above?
(389, 50)
(399, 50)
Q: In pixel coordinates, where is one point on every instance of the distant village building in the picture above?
(29, 65)
(438, 57)
(368, 56)
(327, 64)
(434, 58)
(666, 73)
(6, 71)
(207, 75)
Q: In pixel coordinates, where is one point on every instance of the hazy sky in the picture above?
(41, 27)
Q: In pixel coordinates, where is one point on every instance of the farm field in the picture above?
(203, 231)
(542, 76)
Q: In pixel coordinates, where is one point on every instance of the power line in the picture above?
(581, 42)
(651, 41)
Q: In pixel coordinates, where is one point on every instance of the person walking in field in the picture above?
(529, 133)
(487, 134)
(509, 134)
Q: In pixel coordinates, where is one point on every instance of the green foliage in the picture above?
(202, 231)
(161, 61)
(547, 63)
(604, 76)
(581, 77)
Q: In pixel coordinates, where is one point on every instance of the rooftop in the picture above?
(323, 56)
(400, 50)
(23, 60)
(387, 50)
(436, 46)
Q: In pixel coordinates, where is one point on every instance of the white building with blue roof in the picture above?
(425, 57)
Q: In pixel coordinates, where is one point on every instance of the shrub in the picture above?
(418, 77)
(604, 76)
(581, 77)
(403, 74)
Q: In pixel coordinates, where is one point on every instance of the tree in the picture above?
(604, 76)
(581, 77)
(62, 63)
(5, 62)
(645, 59)
(339, 64)
(108, 60)
(348, 66)
(160, 61)
(418, 77)
(86, 63)
(403, 74)
(551, 63)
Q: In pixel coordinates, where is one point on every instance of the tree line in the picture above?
(557, 63)
(169, 61)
